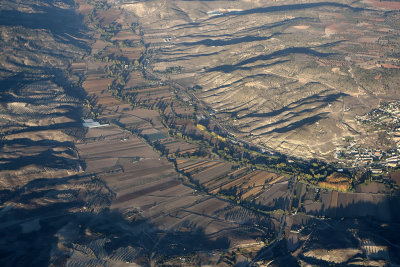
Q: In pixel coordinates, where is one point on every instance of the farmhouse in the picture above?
(89, 123)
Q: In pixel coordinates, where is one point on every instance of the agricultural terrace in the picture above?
(126, 154)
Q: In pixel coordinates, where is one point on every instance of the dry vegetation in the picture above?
(336, 182)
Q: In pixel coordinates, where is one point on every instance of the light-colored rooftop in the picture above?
(90, 123)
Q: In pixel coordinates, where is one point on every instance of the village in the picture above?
(384, 122)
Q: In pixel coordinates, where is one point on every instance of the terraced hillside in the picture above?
(290, 76)
(40, 108)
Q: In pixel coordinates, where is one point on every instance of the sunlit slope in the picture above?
(291, 75)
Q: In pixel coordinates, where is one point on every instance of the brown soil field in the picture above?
(207, 168)
(240, 179)
(277, 179)
(274, 197)
(130, 121)
(146, 191)
(235, 182)
(97, 85)
(396, 177)
(214, 184)
(260, 178)
(334, 199)
(209, 207)
(373, 188)
(301, 27)
(184, 111)
(113, 143)
(181, 161)
(95, 66)
(170, 204)
(177, 191)
(196, 168)
(135, 79)
(142, 184)
(240, 171)
(183, 152)
(108, 16)
(152, 97)
(139, 176)
(115, 148)
(125, 35)
(192, 164)
(181, 146)
(98, 46)
(252, 192)
(84, 8)
(153, 90)
(125, 182)
(145, 113)
(110, 132)
(212, 173)
(93, 165)
(132, 53)
(107, 100)
(136, 172)
(78, 66)
(390, 66)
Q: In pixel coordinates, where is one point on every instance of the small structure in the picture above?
(376, 171)
(89, 123)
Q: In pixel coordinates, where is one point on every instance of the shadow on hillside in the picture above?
(188, 57)
(246, 31)
(44, 159)
(291, 7)
(273, 55)
(277, 125)
(227, 68)
(222, 42)
(64, 23)
(291, 113)
(316, 98)
(240, 82)
(57, 228)
(286, 22)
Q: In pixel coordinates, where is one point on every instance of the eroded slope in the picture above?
(290, 76)
(40, 108)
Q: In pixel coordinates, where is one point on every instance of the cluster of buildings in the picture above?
(362, 157)
(385, 118)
